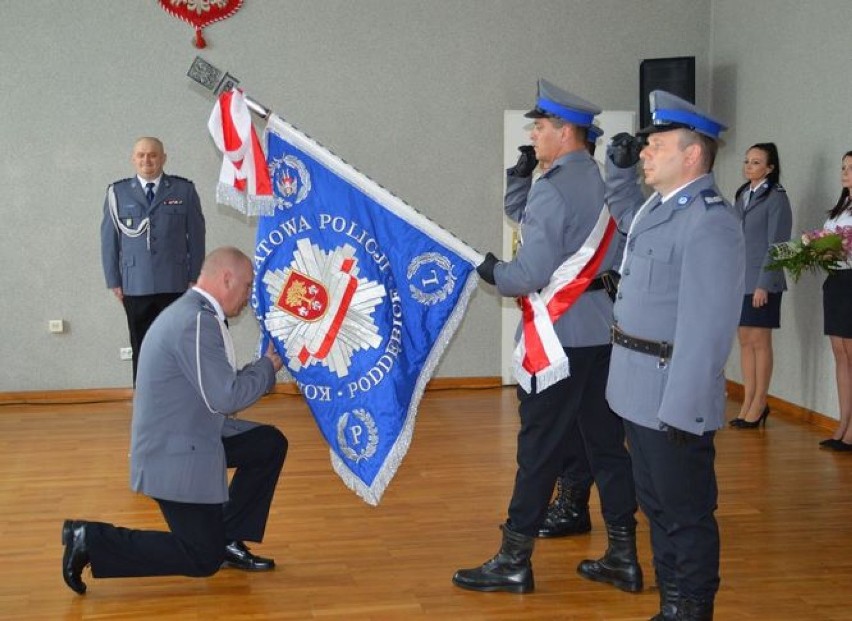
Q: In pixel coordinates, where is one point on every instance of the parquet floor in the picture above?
(785, 515)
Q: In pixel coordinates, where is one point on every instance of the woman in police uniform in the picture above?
(763, 205)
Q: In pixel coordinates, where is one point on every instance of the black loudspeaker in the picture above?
(675, 75)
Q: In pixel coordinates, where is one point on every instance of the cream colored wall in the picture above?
(410, 92)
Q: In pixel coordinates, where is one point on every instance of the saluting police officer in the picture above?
(568, 513)
(152, 239)
(676, 315)
(563, 212)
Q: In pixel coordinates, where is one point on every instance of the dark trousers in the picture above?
(141, 311)
(195, 545)
(676, 487)
(576, 471)
(548, 419)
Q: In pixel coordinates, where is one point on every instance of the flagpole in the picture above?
(218, 81)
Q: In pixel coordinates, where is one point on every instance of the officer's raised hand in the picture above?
(486, 268)
(624, 150)
(679, 437)
(526, 162)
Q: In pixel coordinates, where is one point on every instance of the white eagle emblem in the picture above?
(321, 311)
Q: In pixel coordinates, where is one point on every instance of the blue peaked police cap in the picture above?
(670, 112)
(553, 101)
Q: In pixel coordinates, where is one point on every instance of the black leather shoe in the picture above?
(76, 555)
(842, 447)
(238, 556)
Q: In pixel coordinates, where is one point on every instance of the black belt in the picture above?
(658, 349)
(608, 280)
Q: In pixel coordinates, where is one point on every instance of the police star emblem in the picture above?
(322, 312)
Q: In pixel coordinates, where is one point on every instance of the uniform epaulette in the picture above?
(122, 180)
(711, 198)
(180, 178)
(780, 188)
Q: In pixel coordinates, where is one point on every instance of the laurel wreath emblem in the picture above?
(304, 180)
(372, 436)
(441, 261)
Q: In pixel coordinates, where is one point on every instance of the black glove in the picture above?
(625, 150)
(526, 162)
(679, 437)
(486, 268)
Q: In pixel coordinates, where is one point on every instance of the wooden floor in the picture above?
(785, 513)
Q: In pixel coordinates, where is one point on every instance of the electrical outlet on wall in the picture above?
(125, 353)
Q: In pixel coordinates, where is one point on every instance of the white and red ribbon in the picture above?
(539, 351)
(244, 179)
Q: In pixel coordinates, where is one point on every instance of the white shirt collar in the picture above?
(156, 182)
(758, 186)
(216, 306)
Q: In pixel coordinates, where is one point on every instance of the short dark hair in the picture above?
(844, 195)
(709, 146)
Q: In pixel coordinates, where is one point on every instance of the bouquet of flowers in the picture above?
(817, 250)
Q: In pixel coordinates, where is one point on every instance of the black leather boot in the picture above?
(568, 514)
(689, 609)
(619, 566)
(511, 570)
(669, 596)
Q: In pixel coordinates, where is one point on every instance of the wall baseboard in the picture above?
(790, 410)
(103, 395)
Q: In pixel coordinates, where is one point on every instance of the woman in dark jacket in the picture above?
(767, 219)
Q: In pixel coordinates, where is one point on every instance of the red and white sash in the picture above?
(244, 179)
(539, 351)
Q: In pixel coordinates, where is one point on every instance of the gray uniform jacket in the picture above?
(515, 200)
(186, 395)
(169, 256)
(562, 208)
(767, 220)
(681, 282)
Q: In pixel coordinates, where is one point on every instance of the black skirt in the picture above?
(767, 316)
(837, 304)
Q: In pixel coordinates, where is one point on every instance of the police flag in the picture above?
(360, 294)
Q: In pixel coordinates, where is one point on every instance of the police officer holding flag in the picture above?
(562, 357)
(676, 315)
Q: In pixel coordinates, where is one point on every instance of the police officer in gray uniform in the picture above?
(676, 315)
(185, 435)
(563, 209)
(152, 239)
(568, 513)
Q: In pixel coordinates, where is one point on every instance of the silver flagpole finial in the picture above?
(218, 81)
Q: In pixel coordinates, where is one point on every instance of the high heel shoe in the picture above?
(735, 422)
(830, 443)
(744, 424)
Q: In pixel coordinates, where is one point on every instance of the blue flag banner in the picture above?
(360, 294)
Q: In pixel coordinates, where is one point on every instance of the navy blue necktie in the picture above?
(149, 194)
